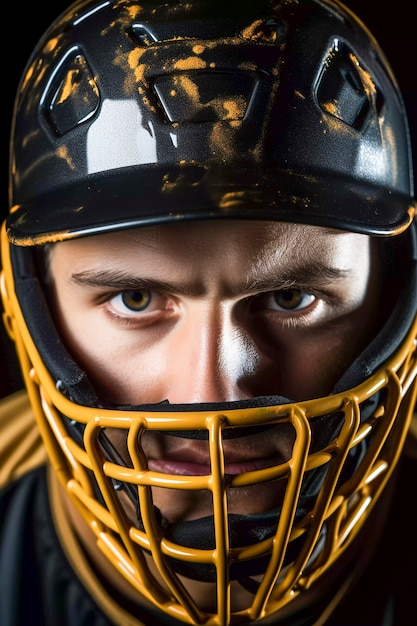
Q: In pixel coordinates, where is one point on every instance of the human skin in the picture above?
(215, 312)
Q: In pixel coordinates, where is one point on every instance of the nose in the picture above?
(216, 359)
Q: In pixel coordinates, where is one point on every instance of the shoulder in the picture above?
(19, 531)
(37, 583)
(21, 448)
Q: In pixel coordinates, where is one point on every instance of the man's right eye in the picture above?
(132, 300)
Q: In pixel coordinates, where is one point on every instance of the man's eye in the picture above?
(132, 300)
(290, 300)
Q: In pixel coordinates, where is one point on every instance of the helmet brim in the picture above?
(123, 199)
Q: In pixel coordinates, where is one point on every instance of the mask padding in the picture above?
(397, 326)
(68, 376)
(243, 530)
(227, 433)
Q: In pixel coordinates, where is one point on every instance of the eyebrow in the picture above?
(313, 275)
(114, 279)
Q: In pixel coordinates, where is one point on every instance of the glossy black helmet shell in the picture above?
(132, 113)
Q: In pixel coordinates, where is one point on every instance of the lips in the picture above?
(179, 468)
(189, 462)
(187, 458)
(190, 457)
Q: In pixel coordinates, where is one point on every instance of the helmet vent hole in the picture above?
(199, 96)
(142, 35)
(341, 91)
(271, 31)
(72, 96)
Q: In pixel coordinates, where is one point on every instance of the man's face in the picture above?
(215, 312)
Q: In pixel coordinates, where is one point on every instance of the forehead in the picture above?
(235, 242)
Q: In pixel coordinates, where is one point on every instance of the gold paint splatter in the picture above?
(191, 63)
(250, 30)
(330, 107)
(134, 57)
(367, 81)
(257, 31)
(62, 153)
(222, 140)
(133, 11)
(148, 104)
(235, 108)
(72, 83)
(51, 45)
(186, 85)
(27, 77)
(248, 66)
(198, 49)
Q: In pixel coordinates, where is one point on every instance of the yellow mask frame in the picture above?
(338, 514)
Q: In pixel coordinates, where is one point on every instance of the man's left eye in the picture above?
(290, 300)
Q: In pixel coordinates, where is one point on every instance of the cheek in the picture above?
(309, 363)
(89, 340)
(121, 368)
(337, 349)
(306, 366)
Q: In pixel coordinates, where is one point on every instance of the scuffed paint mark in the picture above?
(231, 199)
(168, 185)
(15, 208)
(172, 182)
(40, 240)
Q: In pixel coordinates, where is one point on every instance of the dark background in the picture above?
(394, 29)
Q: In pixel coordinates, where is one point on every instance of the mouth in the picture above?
(187, 457)
(176, 456)
(182, 466)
